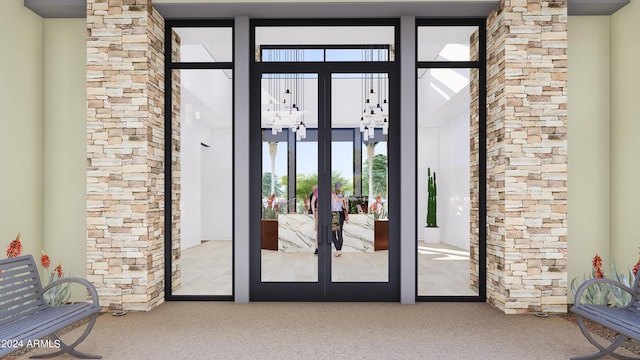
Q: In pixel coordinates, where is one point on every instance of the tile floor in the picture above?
(443, 270)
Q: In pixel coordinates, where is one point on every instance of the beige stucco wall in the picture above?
(21, 139)
(65, 175)
(589, 143)
(42, 112)
(625, 129)
(604, 122)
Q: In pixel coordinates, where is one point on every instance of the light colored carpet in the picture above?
(260, 330)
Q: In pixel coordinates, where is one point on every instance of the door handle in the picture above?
(322, 235)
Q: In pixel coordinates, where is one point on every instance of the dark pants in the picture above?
(337, 234)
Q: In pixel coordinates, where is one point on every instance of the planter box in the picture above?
(380, 235)
(269, 234)
(431, 234)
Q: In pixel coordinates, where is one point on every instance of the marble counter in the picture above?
(296, 233)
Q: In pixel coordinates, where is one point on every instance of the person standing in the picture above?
(338, 217)
(376, 207)
(314, 211)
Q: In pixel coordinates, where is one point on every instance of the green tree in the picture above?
(347, 185)
(305, 182)
(266, 185)
(379, 176)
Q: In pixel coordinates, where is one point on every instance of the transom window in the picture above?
(346, 53)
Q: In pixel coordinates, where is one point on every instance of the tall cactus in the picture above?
(432, 203)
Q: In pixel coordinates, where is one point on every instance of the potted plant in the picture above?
(269, 228)
(380, 225)
(431, 230)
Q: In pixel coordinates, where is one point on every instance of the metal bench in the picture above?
(624, 320)
(26, 318)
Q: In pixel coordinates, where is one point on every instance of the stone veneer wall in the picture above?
(527, 156)
(495, 157)
(125, 153)
(176, 102)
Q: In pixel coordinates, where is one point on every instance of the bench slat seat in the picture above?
(625, 321)
(25, 316)
(618, 319)
(47, 321)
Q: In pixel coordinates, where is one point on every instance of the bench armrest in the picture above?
(578, 297)
(81, 281)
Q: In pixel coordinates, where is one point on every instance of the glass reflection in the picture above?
(204, 252)
(289, 173)
(272, 36)
(202, 44)
(446, 43)
(359, 168)
(447, 128)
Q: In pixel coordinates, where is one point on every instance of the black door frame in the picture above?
(394, 156)
(481, 65)
(171, 64)
(324, 289)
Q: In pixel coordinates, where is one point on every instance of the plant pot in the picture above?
(269, 234)
(431, 235)
(381, 235)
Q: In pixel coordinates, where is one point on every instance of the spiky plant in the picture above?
(432, 203)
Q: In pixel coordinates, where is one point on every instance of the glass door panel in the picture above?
(359, 177)
(448, 131)
(289, 124)
(323, 125)
(202, 254)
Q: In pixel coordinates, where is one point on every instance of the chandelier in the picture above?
(286, 96)
(375, 113)
(375, 87)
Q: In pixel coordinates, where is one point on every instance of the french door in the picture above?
(330, 127)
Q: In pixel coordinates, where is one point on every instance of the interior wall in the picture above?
(191, 175)
(454, 180)
(205, 150)
(21, 116)
(444, 148)
(625, 127)
(65, 144)
(217, 185)
(589, 164)
(428, 157)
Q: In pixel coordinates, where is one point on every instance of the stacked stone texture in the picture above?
(176, 263)
(125, 153)
(527, 156)
(495, 156)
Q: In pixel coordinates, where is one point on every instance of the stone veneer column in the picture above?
(125, 153)
(527, 156)
(176, 103)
